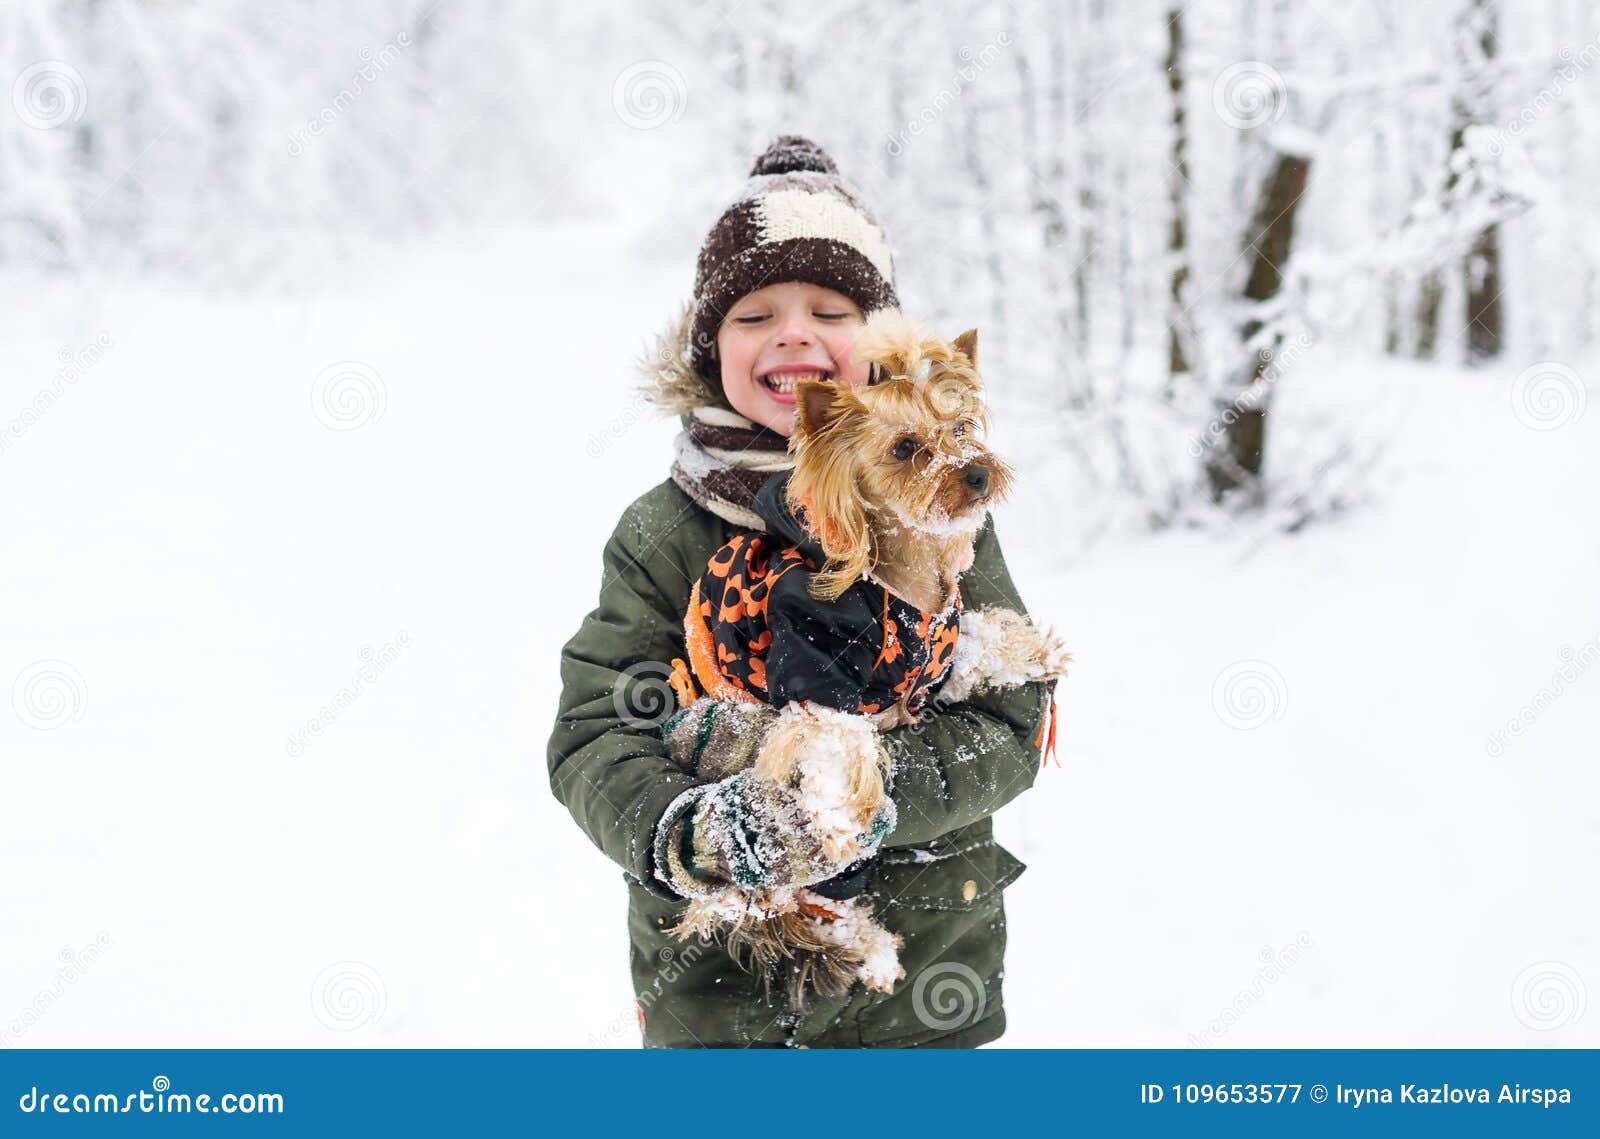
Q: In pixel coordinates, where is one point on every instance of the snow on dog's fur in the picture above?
(895, 481)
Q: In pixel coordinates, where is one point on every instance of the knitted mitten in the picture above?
(747, 832)
(713, 739)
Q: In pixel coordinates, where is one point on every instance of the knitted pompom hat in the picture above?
(795, 220)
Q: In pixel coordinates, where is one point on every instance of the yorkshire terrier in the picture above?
(844, 621)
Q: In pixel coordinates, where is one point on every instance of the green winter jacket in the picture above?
(941, 874)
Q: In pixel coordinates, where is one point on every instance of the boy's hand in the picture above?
(752, 833)
(712, 739)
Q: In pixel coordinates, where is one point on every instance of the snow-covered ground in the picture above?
(1279, 819)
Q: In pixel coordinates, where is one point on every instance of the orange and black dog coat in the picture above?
(755, 633)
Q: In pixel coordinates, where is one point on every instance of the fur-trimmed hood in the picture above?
(669, 379)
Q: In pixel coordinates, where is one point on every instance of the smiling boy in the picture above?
(779, 335)
(783, 283)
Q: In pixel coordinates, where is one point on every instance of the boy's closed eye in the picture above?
(757, 318)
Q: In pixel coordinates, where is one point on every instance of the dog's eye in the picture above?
(963, 428)
(904, 449)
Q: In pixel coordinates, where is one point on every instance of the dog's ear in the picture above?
(967, 345)
(824, 486)
(817, 403)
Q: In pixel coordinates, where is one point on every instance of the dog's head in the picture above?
(906, 450)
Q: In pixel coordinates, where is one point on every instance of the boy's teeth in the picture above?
(787, 381)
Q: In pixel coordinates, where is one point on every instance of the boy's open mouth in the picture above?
(780, 382)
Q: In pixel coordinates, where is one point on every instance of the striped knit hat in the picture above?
(796, 220)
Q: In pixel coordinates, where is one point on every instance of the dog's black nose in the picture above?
(978, 478)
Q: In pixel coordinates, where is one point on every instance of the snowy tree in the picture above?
(1108, 191)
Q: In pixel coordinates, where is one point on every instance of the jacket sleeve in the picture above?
(966, 760)
(608, 763)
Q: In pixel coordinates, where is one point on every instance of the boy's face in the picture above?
(777, 336)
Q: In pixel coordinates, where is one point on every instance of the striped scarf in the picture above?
(723, 459)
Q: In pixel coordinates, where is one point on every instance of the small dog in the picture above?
(843, 622)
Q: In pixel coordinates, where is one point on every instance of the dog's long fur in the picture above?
(824, 946)
(871, 510)
(896, 481)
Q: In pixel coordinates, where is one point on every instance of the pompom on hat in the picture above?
(795, 220)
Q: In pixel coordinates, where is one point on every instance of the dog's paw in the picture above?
(880, 955)
(896, 715)
(1050, 657)
(1000, 648)
(836, 764)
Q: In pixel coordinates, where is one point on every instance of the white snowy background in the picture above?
(296, 419)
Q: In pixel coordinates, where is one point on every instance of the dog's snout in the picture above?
(978, 478)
